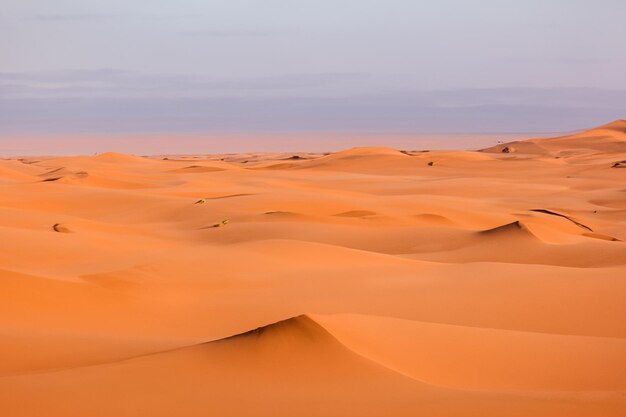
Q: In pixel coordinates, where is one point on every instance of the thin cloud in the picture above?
(69, 17)
(119, 83)
(581, 61)
(211, 33)
(65, 75)
(557, 60)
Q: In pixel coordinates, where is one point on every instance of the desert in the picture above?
(370, 281)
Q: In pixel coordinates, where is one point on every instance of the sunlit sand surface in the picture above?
(364, 282)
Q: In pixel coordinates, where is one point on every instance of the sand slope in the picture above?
(443, 283)
(293, 366)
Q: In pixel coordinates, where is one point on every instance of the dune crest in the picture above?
(515, 228)
(114, 157)
(607, 138)
(618, 125)
(293, 332)
(356, 213)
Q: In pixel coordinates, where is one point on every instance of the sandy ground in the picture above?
(366, 282)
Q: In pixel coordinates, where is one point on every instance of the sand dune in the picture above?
(398, 282)
(508, 230)
(293, 366)
(608, 138)
(484, 358)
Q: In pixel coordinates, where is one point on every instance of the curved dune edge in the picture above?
(291, 366)
(356, 213)
(515, 228)
(442, 355)
(464, 357)
(115, 157)
(293, 333)
(60, 228)
(198, 169)
(607, 138)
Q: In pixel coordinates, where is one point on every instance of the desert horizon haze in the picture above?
(313, 208)
(495, 66)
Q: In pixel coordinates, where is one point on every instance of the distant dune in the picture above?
(366, 282)
(607, 138)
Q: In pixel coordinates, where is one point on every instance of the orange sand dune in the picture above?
(291, 367)
(442, 283)
(485, 358)
(610, 138)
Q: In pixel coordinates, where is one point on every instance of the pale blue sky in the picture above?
(304, 50)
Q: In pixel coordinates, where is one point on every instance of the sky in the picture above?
(87, 66)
